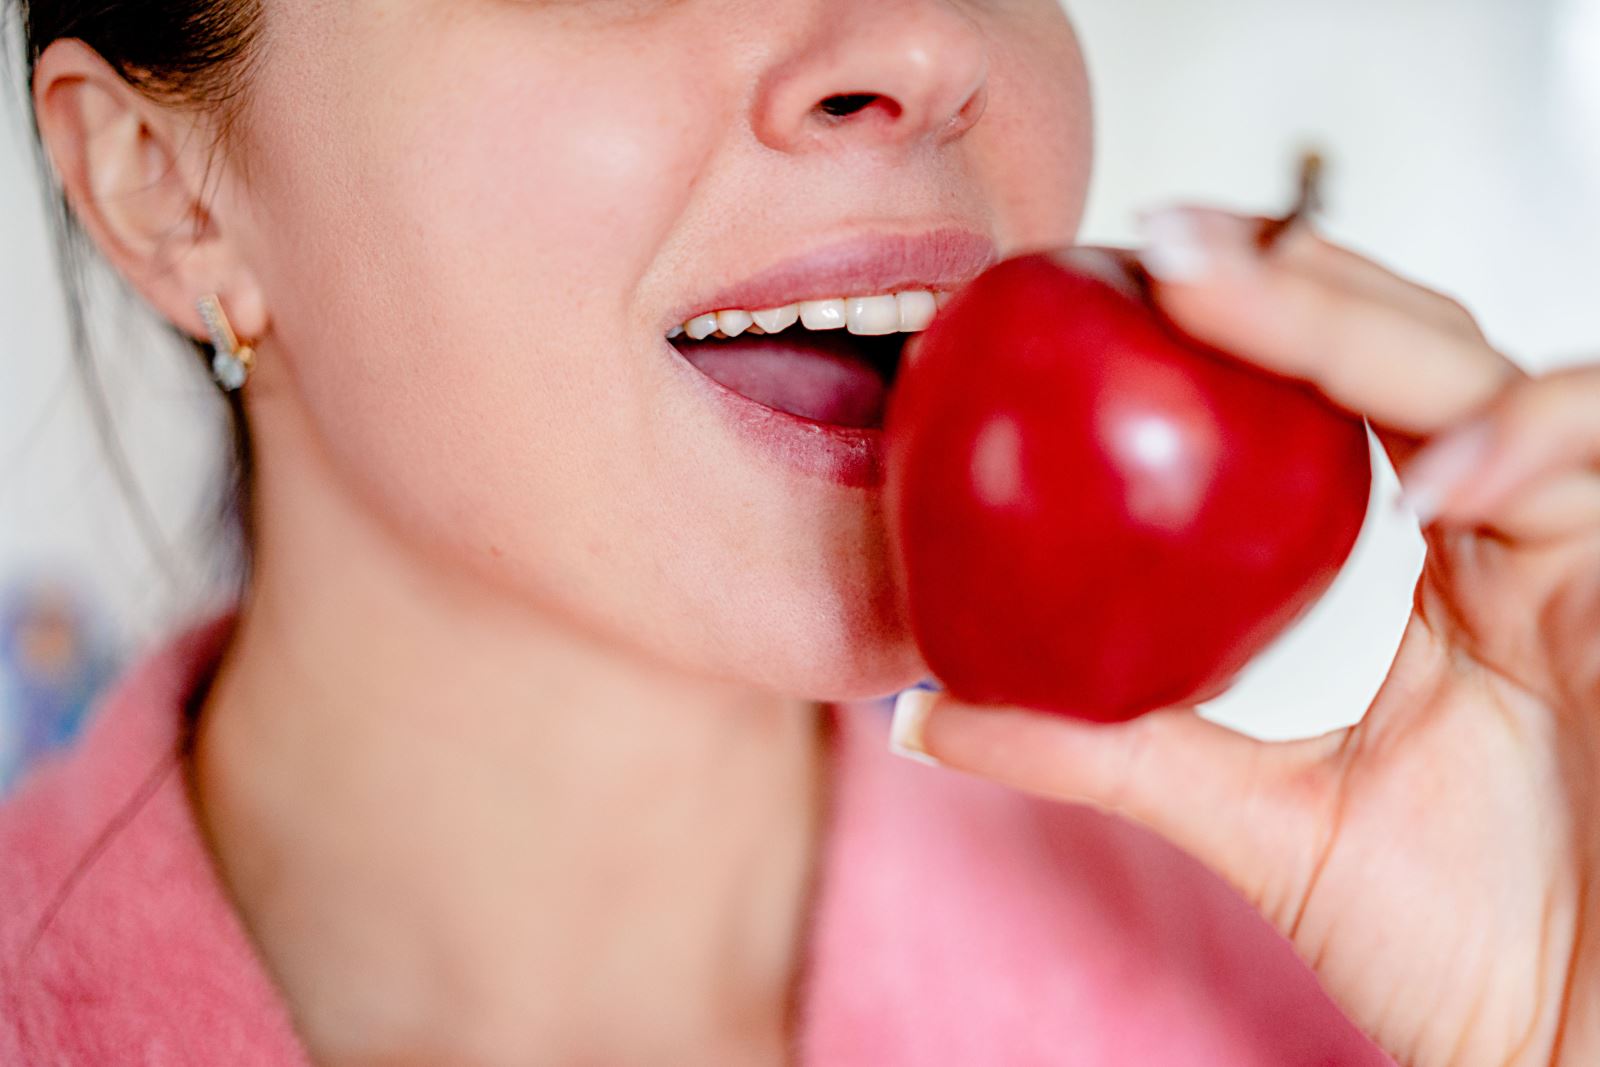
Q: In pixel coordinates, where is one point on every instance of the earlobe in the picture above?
(133, 171)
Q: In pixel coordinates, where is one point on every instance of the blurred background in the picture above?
(1465, 142)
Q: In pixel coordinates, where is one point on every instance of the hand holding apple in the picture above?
(1438, 864)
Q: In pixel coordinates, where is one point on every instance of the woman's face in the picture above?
(476, 221)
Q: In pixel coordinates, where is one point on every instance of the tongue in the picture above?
(826, 377)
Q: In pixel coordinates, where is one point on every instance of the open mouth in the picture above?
(830, 361)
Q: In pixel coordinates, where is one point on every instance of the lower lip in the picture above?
(843, 455)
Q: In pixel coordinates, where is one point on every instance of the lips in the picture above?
(820, 336)
(939, 259)
(800, 357)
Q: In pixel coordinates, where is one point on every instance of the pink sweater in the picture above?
(956, 923)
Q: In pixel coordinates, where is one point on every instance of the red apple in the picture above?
(1096, 515)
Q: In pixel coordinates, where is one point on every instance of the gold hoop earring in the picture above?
(231, 361)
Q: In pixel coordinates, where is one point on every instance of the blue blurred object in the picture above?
(54, 660)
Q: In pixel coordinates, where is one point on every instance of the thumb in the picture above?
(1257, 813)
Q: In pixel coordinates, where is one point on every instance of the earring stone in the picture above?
(230, 361)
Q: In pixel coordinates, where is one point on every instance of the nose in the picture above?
(890, 73)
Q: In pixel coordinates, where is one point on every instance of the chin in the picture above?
(852, 665)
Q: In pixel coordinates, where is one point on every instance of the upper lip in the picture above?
(944, 259)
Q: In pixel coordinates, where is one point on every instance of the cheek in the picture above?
(563, 194)
(1038, 135)
(455, 294)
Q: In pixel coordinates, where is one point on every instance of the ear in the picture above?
(135, 173)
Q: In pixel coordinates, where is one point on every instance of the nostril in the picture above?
(843, 105)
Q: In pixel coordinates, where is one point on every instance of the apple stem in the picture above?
(1306, 204)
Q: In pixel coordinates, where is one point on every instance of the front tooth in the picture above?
(822, 314)
(916, 310)
(733, 323)
(776, 320)
(872, 316)
(700, 327)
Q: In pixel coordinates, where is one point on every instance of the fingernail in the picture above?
(911, 710)
(1438, 473)
(1189, 245)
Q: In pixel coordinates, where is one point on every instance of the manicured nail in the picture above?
(1436, 475)
(911, 709)
(1189, 245)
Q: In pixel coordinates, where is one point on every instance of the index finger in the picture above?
(1376, 344)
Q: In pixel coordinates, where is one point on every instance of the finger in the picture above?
(1307, 251)
(1303, 249)
(1528, 465)
(1372, 342)
(1246, 808)
(1554, 510)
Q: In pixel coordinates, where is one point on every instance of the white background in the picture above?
(1466, 141)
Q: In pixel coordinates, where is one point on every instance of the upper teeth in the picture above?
(869, 316)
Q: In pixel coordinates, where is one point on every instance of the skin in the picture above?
(524, 694)
(525, 691)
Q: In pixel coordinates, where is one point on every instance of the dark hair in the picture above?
(183, 52)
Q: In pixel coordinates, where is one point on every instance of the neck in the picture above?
(459, 829)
